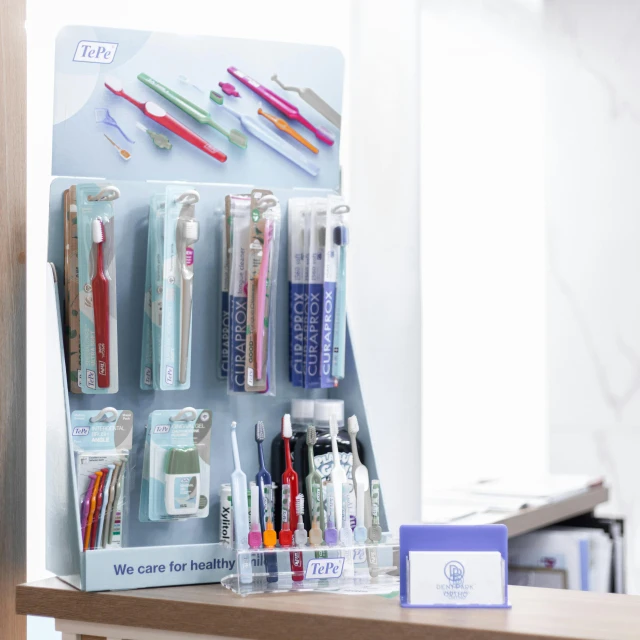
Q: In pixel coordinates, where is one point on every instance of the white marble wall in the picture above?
(593, 208)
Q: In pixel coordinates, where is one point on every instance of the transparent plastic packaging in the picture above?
(366, 569)
(97, 288)
(102, 442)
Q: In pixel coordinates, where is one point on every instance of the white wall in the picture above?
(593, 137)
(483, 243)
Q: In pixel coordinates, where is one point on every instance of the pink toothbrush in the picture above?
(284, 106)
(262, 296)
(86, 502)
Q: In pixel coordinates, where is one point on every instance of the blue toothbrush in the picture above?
(263, 480)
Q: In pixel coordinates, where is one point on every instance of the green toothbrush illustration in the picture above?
(197, 113)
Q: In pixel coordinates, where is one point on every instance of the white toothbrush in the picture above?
(359, 472)
(360, 532)
(187, 234)
(338, 475)
(240, 510)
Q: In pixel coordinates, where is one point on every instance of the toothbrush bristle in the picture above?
(300, 504)
(341, 235)
(352, 426)
(233, 426)
(260, 431)
(333, 425)
(312, 436)
(97, 231)
(286, 426)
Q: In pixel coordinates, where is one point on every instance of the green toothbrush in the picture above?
(197, 113)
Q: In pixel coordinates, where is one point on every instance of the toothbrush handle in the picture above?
(272, 98)
(297, 566)
(340, 328)
(185, 326)
(262, 298)
(100, 291)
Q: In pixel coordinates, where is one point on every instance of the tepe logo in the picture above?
(96, 52)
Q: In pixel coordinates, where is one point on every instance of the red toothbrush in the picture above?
(290, 478)
(159, 115)
(100, 290)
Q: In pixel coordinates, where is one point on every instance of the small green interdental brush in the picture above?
(159, 139)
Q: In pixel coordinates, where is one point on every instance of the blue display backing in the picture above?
(207, 391)
(79, 146)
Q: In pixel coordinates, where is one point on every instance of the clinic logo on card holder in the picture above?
(454, 572)
(95, 52)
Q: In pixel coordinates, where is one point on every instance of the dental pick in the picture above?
(314, 101)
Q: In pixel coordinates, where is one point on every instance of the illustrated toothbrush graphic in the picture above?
(159, 115)
(100, 293)
(197, 113)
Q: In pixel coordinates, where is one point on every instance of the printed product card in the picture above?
(138, 105)
(456, 578)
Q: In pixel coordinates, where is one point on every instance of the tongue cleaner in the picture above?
(253, 126)
(313, 100)
(104, 117)
(197, 113)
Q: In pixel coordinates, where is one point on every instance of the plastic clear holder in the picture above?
(358, 569)
(454, 566)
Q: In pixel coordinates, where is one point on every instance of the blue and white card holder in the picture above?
(454, 566)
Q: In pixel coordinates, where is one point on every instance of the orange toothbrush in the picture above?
(283, 125)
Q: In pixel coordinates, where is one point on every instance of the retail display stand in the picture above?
(187, 552)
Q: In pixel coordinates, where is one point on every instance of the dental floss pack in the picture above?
(102, 442)
(168, 305)
(318, 238)
(177, 465)
(97, 288)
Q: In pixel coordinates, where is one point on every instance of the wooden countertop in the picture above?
(211, 609)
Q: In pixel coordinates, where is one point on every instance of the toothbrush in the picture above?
(359, 472)
(86, 504)
(105, 500)
(255, 535)
(159, 139)
(338, 475)
(197, 113)
(331, 533)
(92, 510)
(263, 477)
(100, 291)
(314, 478)
(346, 535)
(159, 115)
(270, 138)
(240, 510)
(270, 538)
(360, 532)
(284, 126)
(123, 153)
(300, 534)
(187, 234)
(291, 111)
(341, 240)
(314, 101)
(290, 480)
(261, 295)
